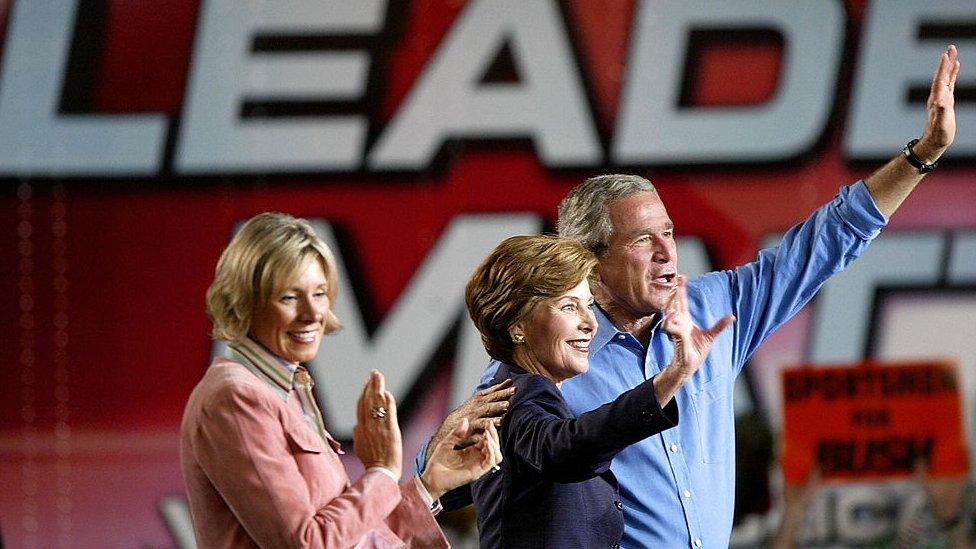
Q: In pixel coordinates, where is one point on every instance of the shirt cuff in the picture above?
(383, 470)
(432, 504)
(420, 462)
(668, 413)
(857, 208)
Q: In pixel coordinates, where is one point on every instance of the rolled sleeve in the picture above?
(856, 207)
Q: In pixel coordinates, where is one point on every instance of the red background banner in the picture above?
(103, 332)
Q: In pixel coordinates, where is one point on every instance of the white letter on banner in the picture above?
(449, 101)
(34, 139)
(892, 60)
(962, 260)
(652, 129)
(214, 138)
(842, 313)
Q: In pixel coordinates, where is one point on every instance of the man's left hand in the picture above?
(940, 127)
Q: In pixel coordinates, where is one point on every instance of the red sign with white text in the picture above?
(872, 420)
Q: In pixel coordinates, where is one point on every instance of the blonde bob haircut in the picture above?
(261, 258)
(517, 275)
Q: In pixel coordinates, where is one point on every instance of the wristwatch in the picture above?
(915, 161)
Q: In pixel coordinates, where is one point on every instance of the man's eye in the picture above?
(668, 234)
(642, 239)
(289, 299)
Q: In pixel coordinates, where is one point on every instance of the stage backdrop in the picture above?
(136, 135)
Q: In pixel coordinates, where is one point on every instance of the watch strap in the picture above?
(915, 161)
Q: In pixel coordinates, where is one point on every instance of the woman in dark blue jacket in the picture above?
(531, 301)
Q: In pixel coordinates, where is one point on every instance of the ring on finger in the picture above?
(378, 412)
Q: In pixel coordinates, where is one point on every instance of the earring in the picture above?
(518, 339)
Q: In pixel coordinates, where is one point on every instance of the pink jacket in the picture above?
(258, 475)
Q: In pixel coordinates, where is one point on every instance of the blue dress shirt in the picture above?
(678, 487)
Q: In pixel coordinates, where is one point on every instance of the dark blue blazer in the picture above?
(555, 487)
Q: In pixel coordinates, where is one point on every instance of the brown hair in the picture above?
(518, 274)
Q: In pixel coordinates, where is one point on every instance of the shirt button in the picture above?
(687, 493)
(615, 546)
(674, 447)
(621, 336)
(619, 504)
(698, 543)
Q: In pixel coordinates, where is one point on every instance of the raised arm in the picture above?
(569, 450)
(691, 343)
(892, 183)
(378, 443)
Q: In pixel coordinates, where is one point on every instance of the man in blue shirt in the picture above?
(678, 487)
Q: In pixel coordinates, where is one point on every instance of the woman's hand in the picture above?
(691, 343)
(450, 466)
(484, 407)
(376, 436)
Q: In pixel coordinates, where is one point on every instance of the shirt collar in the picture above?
(607, 331)
(278, 374)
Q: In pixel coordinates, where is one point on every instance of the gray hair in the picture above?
(583, 214)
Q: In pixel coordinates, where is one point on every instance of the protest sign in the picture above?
(872, 420)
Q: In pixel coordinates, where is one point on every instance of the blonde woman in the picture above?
(260, 468)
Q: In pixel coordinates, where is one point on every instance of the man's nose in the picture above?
(663, 251)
